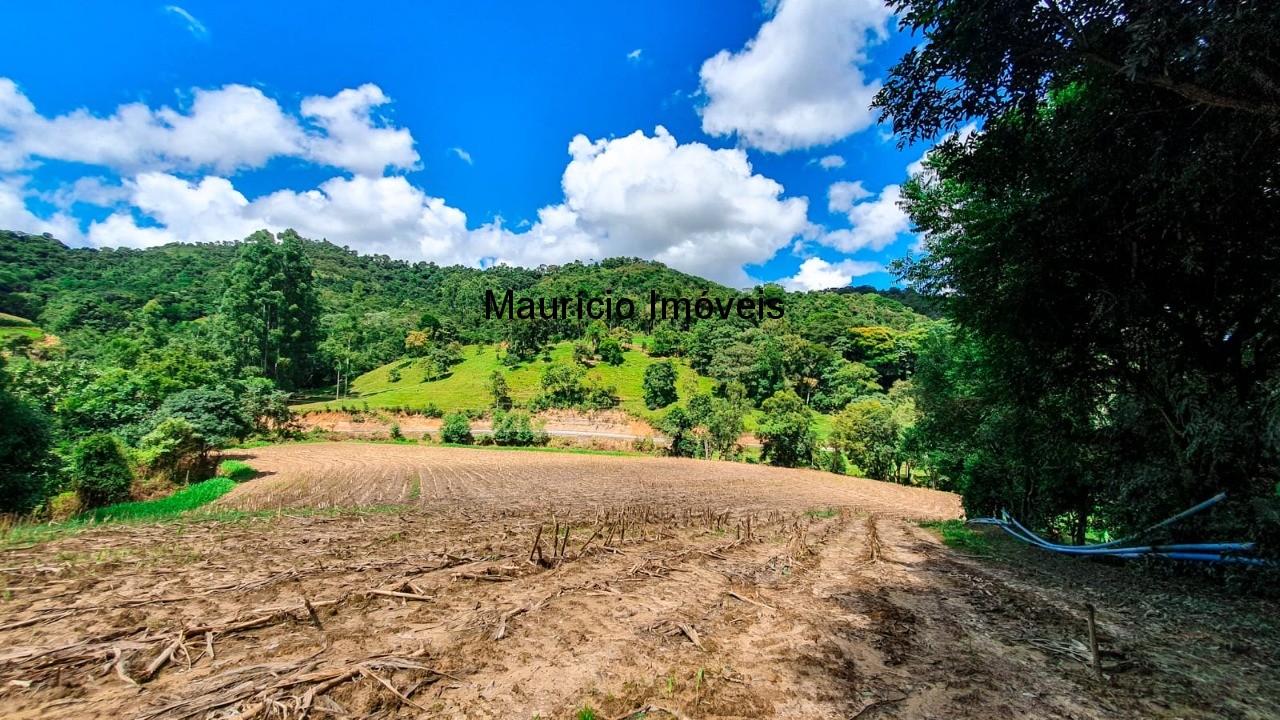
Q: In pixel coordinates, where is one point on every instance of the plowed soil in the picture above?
(684, 589)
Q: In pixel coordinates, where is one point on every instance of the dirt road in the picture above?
(683, 589)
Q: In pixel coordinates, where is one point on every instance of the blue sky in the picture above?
(728, 139)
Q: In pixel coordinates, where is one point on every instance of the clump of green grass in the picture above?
(586, 713)
(823, 514)
(185, 499)
(960, 536)
(236, 470)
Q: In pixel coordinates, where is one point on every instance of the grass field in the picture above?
(464, 388)
(13, 326)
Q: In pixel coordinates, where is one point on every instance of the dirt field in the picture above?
(684, 589)
(604, 424)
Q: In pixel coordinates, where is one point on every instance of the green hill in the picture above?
(464, 387)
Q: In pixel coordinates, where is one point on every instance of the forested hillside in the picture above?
(165, 354)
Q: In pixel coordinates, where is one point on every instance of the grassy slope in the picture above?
(464, 389)
(12, 325)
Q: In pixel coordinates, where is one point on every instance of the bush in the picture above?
(395, 432)
(456, 429)
(63, 506)
(393, 375)
(171, 450)
(611, 351)
(25, 437)
(515, 428)
(100, 473)
(236, 470)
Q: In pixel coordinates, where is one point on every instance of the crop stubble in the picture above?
(681, 588)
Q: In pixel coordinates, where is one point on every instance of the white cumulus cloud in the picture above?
(818, 274)
(876, 222)
(800, 81)
(695, 208)
(224, 130)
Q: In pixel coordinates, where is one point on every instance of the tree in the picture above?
(499, 390)
(172, 450)
(100, 472)
(664, 341)
(24, 451)
(562, 385)
(514, 428)
(1106, 246)
(217, 415)
(596, 334)
(867, 433)
(678, 427)
(456, 429)
(611, 351)
(786, 430)
(270, 309)
(659, 384)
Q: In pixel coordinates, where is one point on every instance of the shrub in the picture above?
(395, 432)
(456, 429)
(236, 470)
(515, 428)
(596, 395)
(393, 375)
(25, 437)
(171, 450)
(63, 506)
(611, 351)
(100, 473)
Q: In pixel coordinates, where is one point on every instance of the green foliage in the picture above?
(516, 428)
(868, 434)
(216, 414)
(611, 351)
(456, 429)
(562, 385)
(786, 431)
(24, 451)
(100, 471)
(184, 500)
(270, 309)
(664, 341)
(499, 389)
(236, 470)
(678, 427)
(1114, 297)
(172, 449)
(660, 385)
(960, 536)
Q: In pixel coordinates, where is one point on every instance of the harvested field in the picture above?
(351, 474)
(508, 584)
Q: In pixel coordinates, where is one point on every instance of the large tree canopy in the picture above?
(1107, 244)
